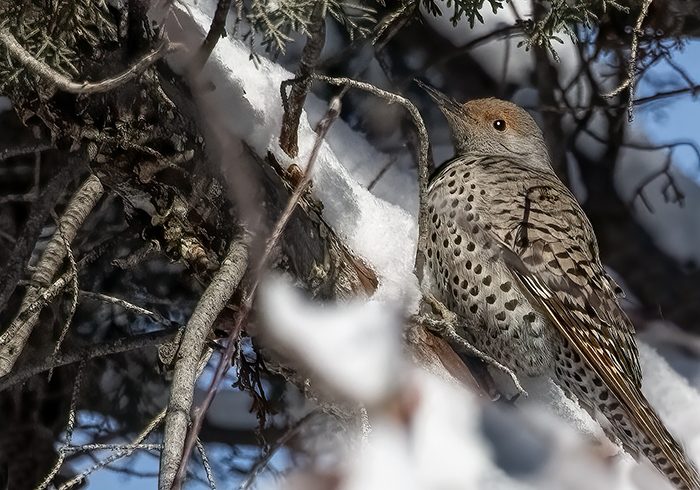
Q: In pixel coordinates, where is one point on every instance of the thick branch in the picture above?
(192, 346)
(294, 104)
(13, 340)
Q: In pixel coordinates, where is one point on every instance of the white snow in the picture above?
(355, 349)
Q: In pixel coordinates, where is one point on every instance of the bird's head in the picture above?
(493, 127)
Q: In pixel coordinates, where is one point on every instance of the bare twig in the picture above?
(205, 463)
(187, 365)
(73, 273)
(422, 155)
(13, 340)
(381, 173)
(262, 463)
(632, 63)
(154, 315)
(133, 342)
(70, 426)
(64, 84)
(225, 360)
(123, 451)
(24, 150)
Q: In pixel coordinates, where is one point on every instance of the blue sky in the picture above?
(676, 118)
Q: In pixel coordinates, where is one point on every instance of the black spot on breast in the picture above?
(506, 286)
(452, 214)
(467, 174)
(433, 237)
(470, 198)
(458, 239)
(453, 172)
(501, 315)
(474, 308)
(464, 297)
(486, 280)
(455, 203)
(451, 183)
(482, 192)
(467, 207)
(473, 186)
(530, 317)
(468, 265)
(430, 252)
(474, 291)
(461, 190)
(475, 230)
(455, 280)
(450, 224)
(510, 305)
(477, 269)
(464, 284)
(445, 243)
(491, 299)
(471, 246)
(469, 216)
(457, 251)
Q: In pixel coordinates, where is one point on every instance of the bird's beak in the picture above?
(454, 112)
(447, 105)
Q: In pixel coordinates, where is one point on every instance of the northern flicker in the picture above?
(511, 252)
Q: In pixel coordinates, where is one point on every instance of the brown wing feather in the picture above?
(554, 241)
(555, 257)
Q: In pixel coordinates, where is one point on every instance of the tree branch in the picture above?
(24, 372)
(63, 83)
(13, 340)
(632, 64)
(187, 365)
(422, 155)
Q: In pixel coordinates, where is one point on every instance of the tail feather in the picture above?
(662, 449)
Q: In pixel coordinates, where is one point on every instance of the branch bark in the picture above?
(187, 365)
(294, 104)
(14, 339)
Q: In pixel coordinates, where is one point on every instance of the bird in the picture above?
(511, 253)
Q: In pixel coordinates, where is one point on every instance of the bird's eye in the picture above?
(500, 125)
